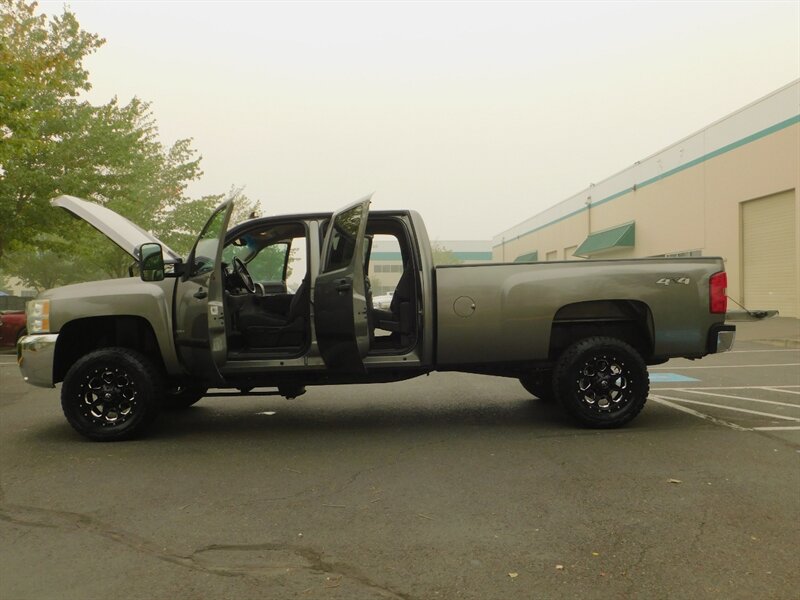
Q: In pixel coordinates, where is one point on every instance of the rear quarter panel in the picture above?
(515, 304)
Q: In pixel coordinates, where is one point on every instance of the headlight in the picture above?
(38, 315)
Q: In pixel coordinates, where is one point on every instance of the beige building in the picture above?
(729, 190)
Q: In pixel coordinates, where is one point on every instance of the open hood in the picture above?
(115, 227)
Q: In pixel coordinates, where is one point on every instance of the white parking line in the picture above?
(677, 368)
(663, 400)
(789, 404)
(754, 351)
(777, 389)
(787, 428)
(733, 408)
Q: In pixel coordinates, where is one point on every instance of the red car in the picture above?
(12, 327)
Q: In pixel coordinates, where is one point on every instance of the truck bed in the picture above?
(504, 312)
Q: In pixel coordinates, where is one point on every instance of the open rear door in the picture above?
(340, 303)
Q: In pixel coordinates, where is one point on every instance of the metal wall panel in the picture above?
(769, 254)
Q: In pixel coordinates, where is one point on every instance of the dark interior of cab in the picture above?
(267, 312)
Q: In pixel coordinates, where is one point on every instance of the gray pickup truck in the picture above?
(285, 302)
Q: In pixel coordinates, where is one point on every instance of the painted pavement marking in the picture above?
(754, 351)
(733, 408)
(669, 378)
(665, 400)
(677, 368)
(777, 389)
(787, 428)
(718, 395)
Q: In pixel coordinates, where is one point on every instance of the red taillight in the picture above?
(717, 296)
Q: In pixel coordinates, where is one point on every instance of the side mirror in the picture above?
(151, 262)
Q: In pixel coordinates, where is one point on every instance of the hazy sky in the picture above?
(479, 115)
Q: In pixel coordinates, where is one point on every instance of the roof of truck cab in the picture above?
(317, 216)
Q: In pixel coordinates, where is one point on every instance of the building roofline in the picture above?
(579, 202)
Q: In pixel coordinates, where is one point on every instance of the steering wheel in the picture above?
(244, 275)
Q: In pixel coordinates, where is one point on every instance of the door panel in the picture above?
(340, 304)
(199, 303)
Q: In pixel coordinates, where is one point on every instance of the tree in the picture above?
(444, 256)
(41, 75)
(268, 264)
(53, 143)
(43, 269)
(244, 208)
(140, 180)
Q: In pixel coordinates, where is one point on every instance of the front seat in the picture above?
(263, 329)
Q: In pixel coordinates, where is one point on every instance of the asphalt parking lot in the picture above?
(448, 486)
(756, 387)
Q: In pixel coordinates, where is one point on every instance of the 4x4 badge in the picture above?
(668, 280)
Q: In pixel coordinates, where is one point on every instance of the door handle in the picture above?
(343, 287)
(200, 294)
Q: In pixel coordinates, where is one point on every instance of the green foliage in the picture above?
(268, 265)
(443, 256)
(52, 143)
(244, 208)
(41, 74)
(43, 269)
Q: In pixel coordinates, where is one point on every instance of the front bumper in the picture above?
(35, 354)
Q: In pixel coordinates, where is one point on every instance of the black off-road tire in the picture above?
(180, 397)
(111, 394)
(602, 382)
(539, 385)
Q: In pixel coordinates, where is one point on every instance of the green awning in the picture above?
(529, 257)
(621, 236)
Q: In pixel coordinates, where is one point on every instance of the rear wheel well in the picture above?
(82, 336)
(627, 320)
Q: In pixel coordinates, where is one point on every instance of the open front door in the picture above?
(340, 303)
(199, 307)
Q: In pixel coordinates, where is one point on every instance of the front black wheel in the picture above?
(111, 394)
(602, 382)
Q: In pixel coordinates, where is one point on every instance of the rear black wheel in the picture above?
(602, 382)
(111, 394)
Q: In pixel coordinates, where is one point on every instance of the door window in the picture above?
(343, 240)
(267, 264)
(284, 261)
(205, 251)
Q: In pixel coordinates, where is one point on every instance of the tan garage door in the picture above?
(769, 254)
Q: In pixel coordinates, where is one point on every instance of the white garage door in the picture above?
(769, 254)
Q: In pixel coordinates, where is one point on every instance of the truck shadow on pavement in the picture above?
(249, 418)
(244, 418)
